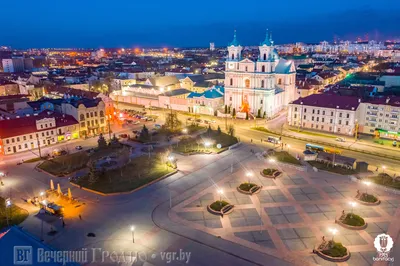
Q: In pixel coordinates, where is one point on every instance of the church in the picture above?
(262, 87)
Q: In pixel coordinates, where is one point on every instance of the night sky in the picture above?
(186, 23)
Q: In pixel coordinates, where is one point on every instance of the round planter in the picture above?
(351, 227)
(220, 212)
(368, 203)
(334, 259)
(257, 190)
(269, 176)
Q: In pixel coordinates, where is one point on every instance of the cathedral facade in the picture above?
(264, 86)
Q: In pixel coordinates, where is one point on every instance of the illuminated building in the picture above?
(262, 87)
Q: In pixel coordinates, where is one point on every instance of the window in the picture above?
(44, 142)
(340, 114)
(41, 126)
(323, 119)
(330, 128)
(91, 114)
(47, 133)
(317, 112)
(263, 69)
(262, 83)
(233, 56)
(261, 101)
(322, 127)
(24, 137)
(7, 141)
(312, 118)
(51, 124)
(304, 117)
(102, 121)
(245, 69)
(45, 125)
(26, 146)
(305, 110)
(347, 123)
(247, 83)
(331, 121)
(30, 136)
(51, 132)
(87, 115)
(19, 147)
(338, 130)
(83, 124)
(348, 115)
(313, 111)
(42, 134)
(95, 113)
(279, 81)
(230, 98)
(265, 57)
(316, 126)
(317, 119)
(59, 131)
(231, 82)
(295, 116)
(82, 117)
(331, 113)
(17, 139)
(323, 112)
(88, 123)
(312, 125)
(12, 140)
(101, 114)
(295, 109)
(340, 122)
(9, 149)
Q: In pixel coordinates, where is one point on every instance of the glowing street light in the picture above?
(207, 144)
(41, 195)
(171, 158)
(383, 168)
(333, 231)
(288, 147)
(271, 160)
(133, 233)
(367, 184)
(249, 174)
(220, 192)
(8, 203)
(184, 131)
(352, 204)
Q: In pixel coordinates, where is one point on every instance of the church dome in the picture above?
(268, 39)
(234, 42)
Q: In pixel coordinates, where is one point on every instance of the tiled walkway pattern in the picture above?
(291, 214)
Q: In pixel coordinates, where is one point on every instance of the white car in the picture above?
(341, 139)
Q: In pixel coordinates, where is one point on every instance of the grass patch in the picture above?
(16, 215)
(353, 220)
(337, 169)
(335, 250)
(269, 171)
(140, 171)
(198, 144)
(285, 157)
(218, 205)
(263, 129)
(315, 134)
(385, 180)
(368, 198)
(69, 163)
(33, 160)
(247, 186)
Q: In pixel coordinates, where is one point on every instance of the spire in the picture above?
(235, 41)
(268, 39)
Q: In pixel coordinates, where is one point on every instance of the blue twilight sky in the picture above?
(188, 23)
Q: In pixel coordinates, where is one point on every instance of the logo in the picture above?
(383, 244)
(22, 255)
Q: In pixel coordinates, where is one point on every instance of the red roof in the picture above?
(329, 101)
(27, 124)
(392, 101)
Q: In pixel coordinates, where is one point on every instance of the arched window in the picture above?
(231, 82)
(233, 56)
(82, 117)
(247, 83)
(262, 83)
(279, 81)
(265, 56)
(101, 114)
(263, 69)
(246, 69)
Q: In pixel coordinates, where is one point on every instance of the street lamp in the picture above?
(352, 204)
(383, 168)
(207, 144)
(271, 160)
(288, 147)
(333, 231)
(133, 233)
(220, 192)
(8, 205)
(249, 174)
(184, 131)
(367, 184)
(41, 195)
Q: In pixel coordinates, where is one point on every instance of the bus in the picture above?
(313, 147)
(317, 148)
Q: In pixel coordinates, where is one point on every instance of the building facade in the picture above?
(265, 86)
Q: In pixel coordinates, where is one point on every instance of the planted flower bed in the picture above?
(367, 199)
(248, 188)
(220, 207)
(270, 173)
(352, 221)
(333, 251)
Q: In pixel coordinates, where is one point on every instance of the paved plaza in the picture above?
(291, 214)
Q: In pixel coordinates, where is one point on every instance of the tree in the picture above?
(171, 122)
(234, 112)
(219, 130)
(102, 143)
(93, 174)
(226, 109)
(231, 130)
(144, 134)
(114, 142)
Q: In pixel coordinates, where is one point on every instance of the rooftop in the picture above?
(329, 101)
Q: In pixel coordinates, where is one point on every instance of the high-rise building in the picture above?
(13, 65)
(212, 46)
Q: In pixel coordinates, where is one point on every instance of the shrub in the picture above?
(353, 220)
(335, 250)
(247, 186)
(368, 198)
(218, 205)
(269, 171)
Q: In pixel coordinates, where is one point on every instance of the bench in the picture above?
(226, 209)
(254, 189)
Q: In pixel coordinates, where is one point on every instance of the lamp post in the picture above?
(333, 231)
(207, 144)
(249, 175)
(271, 160)
(184, 131)
(352, 204)
(8, 205)
(383, 168)
(367, 184)
(133, 233)
(41, 195)
(171, 159)
(220, 192)
(288, 147)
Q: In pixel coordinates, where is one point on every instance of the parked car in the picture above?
(341, 139)
(158, 126)
(124, 136)
(79, 147)
(144, 118)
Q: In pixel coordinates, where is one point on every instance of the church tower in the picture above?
(234, 54)
(268, 56)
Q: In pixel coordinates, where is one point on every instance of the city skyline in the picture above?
(195, 26)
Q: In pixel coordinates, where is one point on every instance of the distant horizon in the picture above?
(99, 24)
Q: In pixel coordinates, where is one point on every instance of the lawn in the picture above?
(69, 163)
(205, 143)
(140, 171)
(33, 160)
(285, 157)
(310, 133)
(337, 170)
(16, 215)
(385, 180)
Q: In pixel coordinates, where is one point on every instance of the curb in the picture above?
(125, 192)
